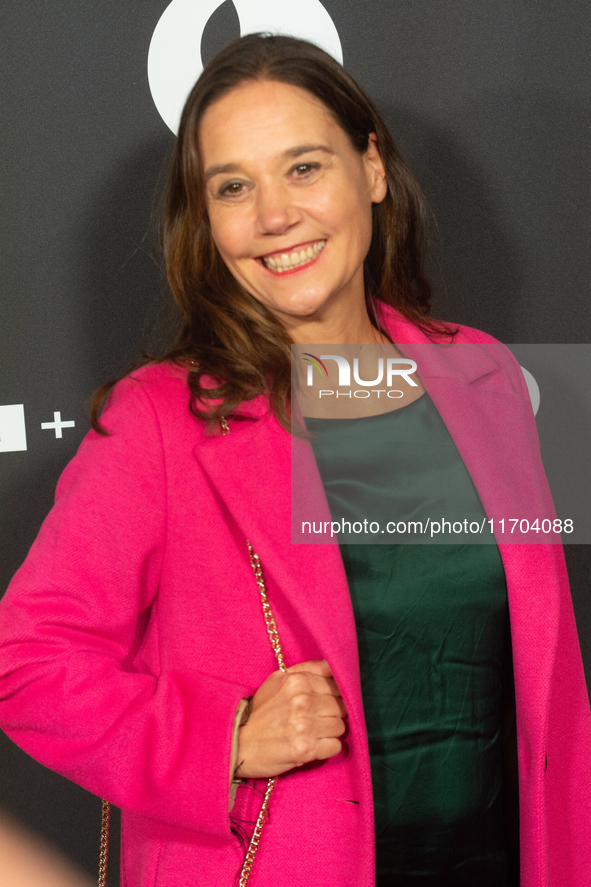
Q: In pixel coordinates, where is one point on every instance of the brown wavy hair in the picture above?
(234, 346)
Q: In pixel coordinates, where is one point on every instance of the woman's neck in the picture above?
(352, 329)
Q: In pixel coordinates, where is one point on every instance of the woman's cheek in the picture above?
(224, 234)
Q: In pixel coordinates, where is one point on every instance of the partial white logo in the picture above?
(174, 57)
(533, 390)
(13, 431)
(13, 435)
(58, 424)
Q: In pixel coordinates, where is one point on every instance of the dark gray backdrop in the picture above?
(490, 103)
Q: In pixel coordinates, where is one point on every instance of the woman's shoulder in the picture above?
(152, 397)
(470, 335)
(487, 354)
(501, 356)
(406, 331)
(155, 380)
(163, 385)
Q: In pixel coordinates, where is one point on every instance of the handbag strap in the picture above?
(105, 815)
(277, 649)
(267, 611)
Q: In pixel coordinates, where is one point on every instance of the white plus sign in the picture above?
(57, 424)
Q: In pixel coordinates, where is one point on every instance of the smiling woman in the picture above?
(422, 683)
(279, 152)
(294, 201)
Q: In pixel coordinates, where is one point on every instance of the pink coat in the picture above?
(134, 628)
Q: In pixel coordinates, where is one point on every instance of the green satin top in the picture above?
(432, 628)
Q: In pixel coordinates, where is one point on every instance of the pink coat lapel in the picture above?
(480, 397)
(250, 470)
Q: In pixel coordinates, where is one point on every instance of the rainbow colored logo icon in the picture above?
(315, 361)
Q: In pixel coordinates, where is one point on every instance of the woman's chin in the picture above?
(299, 309)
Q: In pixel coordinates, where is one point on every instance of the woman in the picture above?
(133, 635)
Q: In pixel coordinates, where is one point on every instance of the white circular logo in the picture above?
(174, 57)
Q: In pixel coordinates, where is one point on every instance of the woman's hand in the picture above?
(296, 716)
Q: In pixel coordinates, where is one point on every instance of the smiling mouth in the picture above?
(280, 262)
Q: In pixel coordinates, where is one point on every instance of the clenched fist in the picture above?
(296, 716)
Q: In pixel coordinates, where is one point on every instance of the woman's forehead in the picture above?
(266, 116)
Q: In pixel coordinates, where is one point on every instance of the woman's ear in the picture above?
(375, 169)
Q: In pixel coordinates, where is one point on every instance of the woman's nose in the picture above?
(276, 210)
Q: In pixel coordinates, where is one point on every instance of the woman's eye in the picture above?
(304, 169)
(231, 189)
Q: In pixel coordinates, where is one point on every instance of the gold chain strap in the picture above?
(256, 835)
(267, 612)
(106, 811)
(276, 644)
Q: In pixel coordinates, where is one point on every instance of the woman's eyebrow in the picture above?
(217, 170)
(305, 149)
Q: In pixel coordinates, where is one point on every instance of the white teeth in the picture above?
(286, 261)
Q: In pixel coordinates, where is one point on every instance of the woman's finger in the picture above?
(314, 666)
(318, 705)
(305, 683)
(327, 748)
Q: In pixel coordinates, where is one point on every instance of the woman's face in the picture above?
(289, 199)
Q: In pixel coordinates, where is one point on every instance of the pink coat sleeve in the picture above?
(568, 759)
(72, 694)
